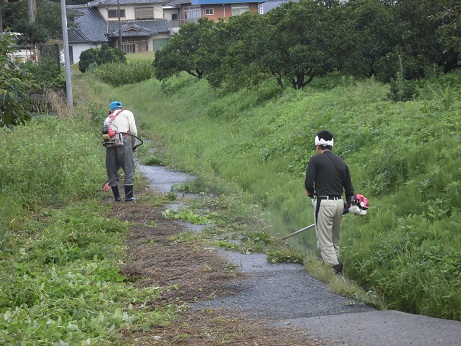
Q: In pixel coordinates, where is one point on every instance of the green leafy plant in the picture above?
(226, 244)
(445, 97)
(284, 255)
(100, 56)
(67, 280)
(401, 90)
(186, 214)
(153, 160)
(15, 84)
(185, 237)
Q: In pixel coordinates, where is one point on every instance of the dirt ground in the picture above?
(189, 272)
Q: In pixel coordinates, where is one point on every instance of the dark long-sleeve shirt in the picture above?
(327, 175)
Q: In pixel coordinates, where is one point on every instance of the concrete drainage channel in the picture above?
(289, 296)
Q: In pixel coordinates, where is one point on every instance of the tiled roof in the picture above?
(105, 3)
(176, 2)
(90, 25)
(223, 2)
(146, 27)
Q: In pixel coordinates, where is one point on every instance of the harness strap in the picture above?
(112, 116)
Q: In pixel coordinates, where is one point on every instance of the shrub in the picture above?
(100, 56)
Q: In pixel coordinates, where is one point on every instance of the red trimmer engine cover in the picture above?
(361, 201)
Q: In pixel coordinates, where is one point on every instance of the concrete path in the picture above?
(288, 295)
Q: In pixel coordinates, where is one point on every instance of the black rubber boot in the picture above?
(129, 193)
(116, 193)
(338, 268)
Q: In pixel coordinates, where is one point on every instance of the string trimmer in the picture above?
(358, 206)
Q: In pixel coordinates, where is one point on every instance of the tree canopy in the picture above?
(183, 52)
(298, 41)
(47, 25)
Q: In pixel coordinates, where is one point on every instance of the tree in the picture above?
(387, 37)
(421, 40)
(372, 34)
(15, 85)
(182, 51)
(302, 42)
(47, 25)
(449, 30)
(238, 61)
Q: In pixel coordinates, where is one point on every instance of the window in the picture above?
(159, 44)
(144, 12)
(192, 12)
(174, 16)
(209, 11)
(239, 9)
(114, 13)
(129, 48)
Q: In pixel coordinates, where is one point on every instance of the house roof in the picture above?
(107, 3)
(176, 2)
(138, 28)
(92, 28)
(222, 2)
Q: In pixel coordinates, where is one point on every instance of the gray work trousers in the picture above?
(327, 229)
(120, 157)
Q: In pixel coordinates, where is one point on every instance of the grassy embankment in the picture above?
(253, 147)
(403, 156)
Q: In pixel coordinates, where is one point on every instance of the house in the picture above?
(138, 25)
(192, 10)
(265, 7)
(145, 25)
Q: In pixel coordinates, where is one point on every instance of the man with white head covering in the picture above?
(326, 177)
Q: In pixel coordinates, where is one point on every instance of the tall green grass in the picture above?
(60, 253)
(404, 157)
(117, 74)
(47, 164)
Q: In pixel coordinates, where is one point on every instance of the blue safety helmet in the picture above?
(115, 105)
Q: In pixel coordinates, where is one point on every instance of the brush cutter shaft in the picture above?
(298, 231)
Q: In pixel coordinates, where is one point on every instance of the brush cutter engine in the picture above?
(110, 137)
(357, 205)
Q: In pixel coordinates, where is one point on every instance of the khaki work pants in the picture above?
(327, 228)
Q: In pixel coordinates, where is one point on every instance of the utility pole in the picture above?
(65, 42)
(31, 10)
(119, 26)
(1, 14)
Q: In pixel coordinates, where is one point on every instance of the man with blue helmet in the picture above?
(120, 125)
